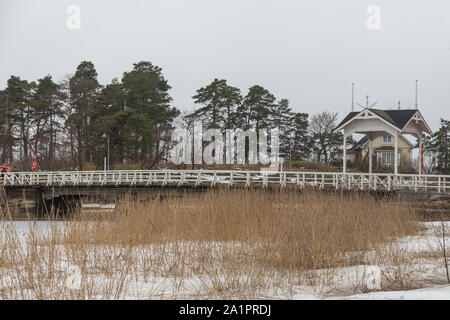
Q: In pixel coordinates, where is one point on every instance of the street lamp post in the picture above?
(108, 153)
(290, 159)
(106, 136)
(290, 151)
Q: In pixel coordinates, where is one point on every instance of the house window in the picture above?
(387, 139)
(387, 158)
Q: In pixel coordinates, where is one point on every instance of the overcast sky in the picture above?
(308, 51)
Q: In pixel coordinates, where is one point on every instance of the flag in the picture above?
(34, 164)
(422, 150)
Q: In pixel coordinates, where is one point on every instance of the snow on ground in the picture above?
(441, 292)
(345, 281)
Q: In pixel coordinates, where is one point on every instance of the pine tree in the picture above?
(256, 108)
(6, 130)
(232, 99)
(71, 119)
(20, 104)
(112, 120)
(219, 102)
(147, 94)
(84, 88)
(47, 119)
(281, 118)
(301, 141)
(438, 148)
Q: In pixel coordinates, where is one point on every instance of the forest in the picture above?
(73, 124)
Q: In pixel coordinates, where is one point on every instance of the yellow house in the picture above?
(383, 151)
(384, 130)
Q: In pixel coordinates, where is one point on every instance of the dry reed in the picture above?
(218, 244)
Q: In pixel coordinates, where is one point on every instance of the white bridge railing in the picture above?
(337, 180)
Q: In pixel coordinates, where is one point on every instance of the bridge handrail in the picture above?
(223, 171)
(195, 177)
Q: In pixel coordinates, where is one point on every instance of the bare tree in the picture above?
(325, 140)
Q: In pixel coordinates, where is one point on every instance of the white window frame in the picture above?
(387, 157)
(388, 138)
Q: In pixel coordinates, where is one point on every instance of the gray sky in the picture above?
(308, 51)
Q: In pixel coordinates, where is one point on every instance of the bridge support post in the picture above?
(3, 202)
(41, 206)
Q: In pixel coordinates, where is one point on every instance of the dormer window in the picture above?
(387, 139)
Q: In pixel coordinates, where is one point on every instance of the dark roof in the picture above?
(398, 118)
(360, 143)
(347, 118)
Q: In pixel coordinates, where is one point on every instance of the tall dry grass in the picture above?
(294, 230)
(222, 244)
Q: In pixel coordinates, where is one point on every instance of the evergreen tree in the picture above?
(256, 108)
(47, 119)
(20, 103)
(147, 94)
(438, 148)
(255, 112)
(71, 119)
(281, 118)
(301, 141)
(219, 102)
(112, 120)
(232, 98)
(6, 129)
(84, 89)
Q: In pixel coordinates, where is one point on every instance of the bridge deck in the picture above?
(194, 178)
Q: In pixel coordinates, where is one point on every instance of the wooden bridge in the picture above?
(230, 178)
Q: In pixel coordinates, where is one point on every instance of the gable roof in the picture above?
(398, 118)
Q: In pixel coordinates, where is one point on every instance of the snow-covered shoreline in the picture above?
(342, 283)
